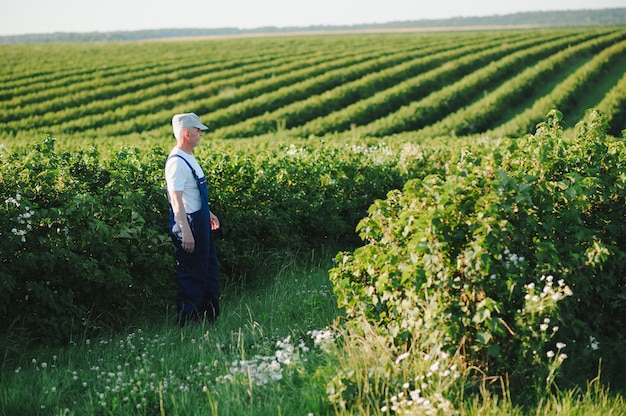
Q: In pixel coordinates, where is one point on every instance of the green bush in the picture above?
(80, 244)
(514, 256)
(84, 235)
(294, 199)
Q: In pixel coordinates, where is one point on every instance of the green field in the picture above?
(412, 223)
(422, 85)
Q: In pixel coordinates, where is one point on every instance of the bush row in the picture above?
(337, 73)
(306, 85)
(133, 92)
(614, 106)
(565, 95)
(84, 235)
(437, 105)
(381, 103)
(344, 89)
(487, 112)
(222, 98)
(111, 93)
(513, 258)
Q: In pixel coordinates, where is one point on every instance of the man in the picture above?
(191, 225)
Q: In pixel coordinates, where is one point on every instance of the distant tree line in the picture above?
(564, 18)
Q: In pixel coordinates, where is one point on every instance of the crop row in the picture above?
(64, 82)
(279, 68)
(379, 105)
(225, 93)
(287, 93)
(614, 105)
(194, 71)
(241, 100)
(486, 112)
(28, 64)
(132, 86)
(372, 85)
(565, 94)
(421, 113)
(159, 86)
(360, 90)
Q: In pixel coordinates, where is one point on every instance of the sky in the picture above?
(19, 17)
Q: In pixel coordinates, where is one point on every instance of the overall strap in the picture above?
(188, 164)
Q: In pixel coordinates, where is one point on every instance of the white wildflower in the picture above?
(593, 343)
(402, 357)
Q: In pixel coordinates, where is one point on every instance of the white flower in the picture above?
(550, 354)
(402, 357)
(560, 345)
(593, 344)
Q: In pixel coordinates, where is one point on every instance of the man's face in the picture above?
(194, 135)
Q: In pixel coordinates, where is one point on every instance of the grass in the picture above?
(256, 360)
(270, 353)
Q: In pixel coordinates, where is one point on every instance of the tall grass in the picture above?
(363, 372)
(257, 359)
(276, 350)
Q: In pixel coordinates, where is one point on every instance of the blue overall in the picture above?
(198, 272)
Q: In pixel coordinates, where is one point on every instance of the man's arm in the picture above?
(176, 199)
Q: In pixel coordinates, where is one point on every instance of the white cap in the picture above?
(186, 120)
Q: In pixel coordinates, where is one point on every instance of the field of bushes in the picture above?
(424, 84)
(467, 187)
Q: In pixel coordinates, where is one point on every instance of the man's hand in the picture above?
(215, 222)
(188, 242)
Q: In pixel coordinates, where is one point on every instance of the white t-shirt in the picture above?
(180, 178)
